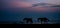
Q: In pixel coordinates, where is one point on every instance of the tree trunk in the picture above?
(41, 22)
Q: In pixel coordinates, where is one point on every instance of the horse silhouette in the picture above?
(43, 19)
(28, 20)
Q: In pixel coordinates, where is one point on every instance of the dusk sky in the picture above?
(29, 4)
(31, 8)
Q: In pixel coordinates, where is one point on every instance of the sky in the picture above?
(50, 1)
(24, 8)
(28, 4)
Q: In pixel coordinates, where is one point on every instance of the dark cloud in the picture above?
(56, 6)
(39, 4)
(46, 4)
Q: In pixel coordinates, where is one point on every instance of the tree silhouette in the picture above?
(28, 20)
(43, 20)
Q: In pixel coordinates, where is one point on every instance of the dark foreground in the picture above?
(22, 23)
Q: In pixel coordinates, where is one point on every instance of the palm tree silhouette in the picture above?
(28, 20)
(43, 20)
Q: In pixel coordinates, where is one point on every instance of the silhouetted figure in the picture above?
(28, 20)
(43, 20)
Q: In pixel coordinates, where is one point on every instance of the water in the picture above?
(10, 16)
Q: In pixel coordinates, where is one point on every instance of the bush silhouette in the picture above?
(28, 20)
